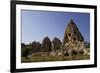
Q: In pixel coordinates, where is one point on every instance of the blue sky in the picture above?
(38, 24)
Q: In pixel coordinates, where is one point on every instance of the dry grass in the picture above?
(53, 58)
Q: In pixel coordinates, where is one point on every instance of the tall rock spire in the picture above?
(72, 33)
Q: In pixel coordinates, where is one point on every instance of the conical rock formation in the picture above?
(72, 34)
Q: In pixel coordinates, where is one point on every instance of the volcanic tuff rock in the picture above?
(72, 33)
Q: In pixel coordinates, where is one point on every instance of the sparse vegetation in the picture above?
(54, 58)
(73, 47)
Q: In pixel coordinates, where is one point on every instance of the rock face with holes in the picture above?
(73, 40)
(73, 44)
(72, 33)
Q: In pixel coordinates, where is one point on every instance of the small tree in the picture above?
(30, 48)
(23, 45)
(24, 52)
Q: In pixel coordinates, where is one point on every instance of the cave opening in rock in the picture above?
(74, 39)
(69, 34)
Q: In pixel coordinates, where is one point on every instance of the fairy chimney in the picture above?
(72, 33)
